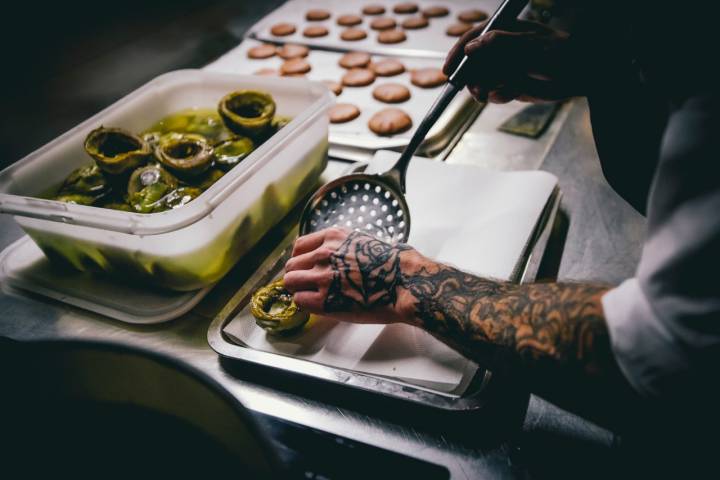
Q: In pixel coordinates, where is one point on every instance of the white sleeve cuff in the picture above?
(644, 349)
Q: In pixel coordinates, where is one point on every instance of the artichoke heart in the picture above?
(152, 138)
(87, 180)
(147, 188)
(247, 112)
(201, 121)
(275, 311)
(280, 121)
(185, 154)
(207, 179)
(231, 152)
(181, 196)
(76, 198)
(116, 150)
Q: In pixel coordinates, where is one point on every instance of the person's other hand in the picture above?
(351, 276)
(528, 62)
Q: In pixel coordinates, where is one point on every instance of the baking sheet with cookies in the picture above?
(354, 140)
(431, 41)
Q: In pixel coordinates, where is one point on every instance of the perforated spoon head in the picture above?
(371, 204)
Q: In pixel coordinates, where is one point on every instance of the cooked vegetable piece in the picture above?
(115, 150)
(152, 138)
(247, 112)
(207, 179)
(76, 198)
(87, 180)
(231, 152)
(201, 121)
(279, 121)
(185, 154)
(148, 186)
(115, 205)
(180, 196)
(275, 311)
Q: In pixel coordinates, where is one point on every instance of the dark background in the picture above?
(63, 62)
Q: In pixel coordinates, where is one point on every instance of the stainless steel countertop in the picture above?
(600, 241)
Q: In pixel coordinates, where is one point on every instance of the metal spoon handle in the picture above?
(398, 171)
(505, 13)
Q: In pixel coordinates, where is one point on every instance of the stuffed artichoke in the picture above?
(275, 311)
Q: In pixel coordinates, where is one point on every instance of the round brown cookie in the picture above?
(317, 14)
(354, 60)
(314, 31)
(406, 7)
(334, 86)
(427, 77)
(458, 29)
(391, 93)
(435, 12)
(388, 68)
(390, 121)
(472, 16)
(295, 66)
(282, 29)
(349, 20)
(353, 34)
(383, 23)
(343, 112)
(391, 36)
(262, 51)
(373, 9)
(293, 50)
(267, 72)
(414, 23)
(358, 77)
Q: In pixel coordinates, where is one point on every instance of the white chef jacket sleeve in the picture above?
(664, 324)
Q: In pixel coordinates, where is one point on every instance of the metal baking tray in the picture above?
(474, 396)
(429, 42)
(354, 140)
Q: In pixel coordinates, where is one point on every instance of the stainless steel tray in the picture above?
(354, 140)
(428, 42)
(474, 396)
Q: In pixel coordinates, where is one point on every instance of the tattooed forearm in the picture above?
(366, 274)
(553, 335)
(548, 323)
(560, 323)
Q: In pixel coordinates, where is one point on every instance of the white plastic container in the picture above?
(195, 245)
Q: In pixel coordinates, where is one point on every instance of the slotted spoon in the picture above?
(375, 203)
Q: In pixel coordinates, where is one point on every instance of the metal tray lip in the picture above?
(473, 401)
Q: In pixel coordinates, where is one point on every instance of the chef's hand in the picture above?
(528, 62)
(352, 276)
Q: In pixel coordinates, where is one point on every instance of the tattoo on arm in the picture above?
(543, 322)
(555, 333)
(366, 274)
